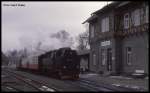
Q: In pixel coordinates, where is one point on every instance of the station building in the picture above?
(119, 38)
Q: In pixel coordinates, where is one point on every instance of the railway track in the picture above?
(90, 86)
(94, 86)
(85, 86)
(82, 84)
(11, 84)
(39, 86)
(10, 88)
(105, 87)
(58, 85)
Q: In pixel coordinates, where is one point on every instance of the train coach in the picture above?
(63, 63)
(29, 63)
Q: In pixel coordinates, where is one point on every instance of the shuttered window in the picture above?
(137, 17)
(142, 15)
(147, 14)
(92, 31)
(105, 24)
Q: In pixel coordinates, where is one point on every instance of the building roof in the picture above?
(123, 3)
(105, 8)
(90, 18)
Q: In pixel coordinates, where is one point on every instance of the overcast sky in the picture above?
(25, 25)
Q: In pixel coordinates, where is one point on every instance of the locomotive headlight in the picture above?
(64, 67)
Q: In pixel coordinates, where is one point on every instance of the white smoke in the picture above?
(39, 42)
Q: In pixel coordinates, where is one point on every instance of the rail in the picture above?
(107, 87)
(40, 86)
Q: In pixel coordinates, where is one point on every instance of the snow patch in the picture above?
(120, 77)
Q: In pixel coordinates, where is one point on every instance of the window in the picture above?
(105, 24)
(103, 56)
(129, 55)
(147, 14)
(126, 21)
(92, 31)
(142, 15)
(136, 17)
(94, 59)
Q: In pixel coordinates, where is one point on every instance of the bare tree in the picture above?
(83, 39)
(4, 59)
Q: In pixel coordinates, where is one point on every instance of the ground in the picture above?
(87, 82)
(141, 84)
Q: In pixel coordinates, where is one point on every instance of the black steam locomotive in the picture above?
(62, 63)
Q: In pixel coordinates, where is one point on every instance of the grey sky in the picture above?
(24, 26)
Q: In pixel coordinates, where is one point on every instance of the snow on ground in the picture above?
(88, 75)
(128, 86)
(120, 77)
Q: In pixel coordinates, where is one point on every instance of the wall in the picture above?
(96, 48)
(139, 44)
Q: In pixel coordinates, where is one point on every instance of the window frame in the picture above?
(105, 24)
(128, 56)
(142, 16)
(147, 14)
(126, 21)
(94, 59)
(137, 21)
(92, 30)
(103, 55)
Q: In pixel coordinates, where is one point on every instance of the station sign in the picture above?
(105, 43)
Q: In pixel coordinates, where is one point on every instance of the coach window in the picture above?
(51, 55)
(129, 55)
(63, 52)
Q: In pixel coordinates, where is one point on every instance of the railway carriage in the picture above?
(33, 63)
(24, 63)
(29, 63)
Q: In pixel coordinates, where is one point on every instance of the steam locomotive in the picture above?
(62, 63)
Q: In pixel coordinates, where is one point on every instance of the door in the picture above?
(109, 59)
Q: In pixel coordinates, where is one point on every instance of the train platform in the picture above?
(119, 81)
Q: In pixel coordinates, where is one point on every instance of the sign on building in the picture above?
(105, 43)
